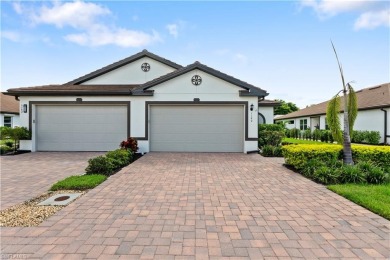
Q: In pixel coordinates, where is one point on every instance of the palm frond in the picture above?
(332, 116)
(340, 67)
(352, 107)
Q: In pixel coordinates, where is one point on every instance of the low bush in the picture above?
(367, 137)
(131, 144)
(100, 165)
(82, 182)
(378, 155)
(5, 149)
(272, 138)
(298, 155)
(120, 157)
(326, 175)
(278, 151)
(267, 151)
(351, 174)
(9, 143)
(271, 127)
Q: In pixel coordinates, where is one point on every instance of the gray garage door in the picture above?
(197, 128)
(80, 128)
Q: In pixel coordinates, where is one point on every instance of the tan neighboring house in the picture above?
(373, 114)
(9, 111)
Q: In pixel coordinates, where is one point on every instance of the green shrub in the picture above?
(316, 135)
(298, 155)
(373, 137)
(5, 149)
(311, 166)
(100, 165)
(294, 133)
(82, 182)
(326, 175)
(376, 176)
(271, 127)
(278, 151)
(268, 151)
(351, 174)
(378, 155)
(368, 137)
(273, 138)
(9, 143)
(120, 157)
(307, 134)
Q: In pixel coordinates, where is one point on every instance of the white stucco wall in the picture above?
(177, 89)
(268, 113)
(132, 73)
(15, 119)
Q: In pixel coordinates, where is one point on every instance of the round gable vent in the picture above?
(145, 67)
(196, 80)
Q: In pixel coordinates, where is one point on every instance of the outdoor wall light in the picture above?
(252, 107)
(24, 108)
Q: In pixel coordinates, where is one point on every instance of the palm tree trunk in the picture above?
(346, 136)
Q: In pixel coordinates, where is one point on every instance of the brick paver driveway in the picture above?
(173, 206)
(28, 175)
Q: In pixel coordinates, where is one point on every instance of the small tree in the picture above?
(16, 134)
(350, 113)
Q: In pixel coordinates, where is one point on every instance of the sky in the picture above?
(282, 47)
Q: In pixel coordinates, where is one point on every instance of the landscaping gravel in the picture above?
(28, 213)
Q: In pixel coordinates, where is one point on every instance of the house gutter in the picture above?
(385, 133)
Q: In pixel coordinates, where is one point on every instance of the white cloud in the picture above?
(17, 7)
(11, 35)
(86, 19)
(371, 20)
(371, 14)
(173, 29)
(241, 58)
(79, 15)
(101, 35)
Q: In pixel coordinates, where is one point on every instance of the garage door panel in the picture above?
(80, 128)
(197, 128)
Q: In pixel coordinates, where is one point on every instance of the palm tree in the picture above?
(350, 113)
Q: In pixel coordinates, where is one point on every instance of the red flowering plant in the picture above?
(130, 144)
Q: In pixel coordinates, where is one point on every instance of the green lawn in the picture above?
(299, 141)
(82, 182)
(375, 198)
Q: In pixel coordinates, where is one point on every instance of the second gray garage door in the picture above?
(80, 128)
(197, 128)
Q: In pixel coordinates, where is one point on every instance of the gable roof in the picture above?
(121, 63)
(367, 98)
(8, 104)
(249, 90)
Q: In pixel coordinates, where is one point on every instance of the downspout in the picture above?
(385, 134)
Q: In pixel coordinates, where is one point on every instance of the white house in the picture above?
(9, 111)
(165, 106)
(373, 113)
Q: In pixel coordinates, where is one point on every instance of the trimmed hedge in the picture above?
(378, 155)
(367, 137)
(298, 155)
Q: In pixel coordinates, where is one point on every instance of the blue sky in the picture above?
(281, 46)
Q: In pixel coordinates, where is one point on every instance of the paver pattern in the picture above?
(28, 175)
(205, 206)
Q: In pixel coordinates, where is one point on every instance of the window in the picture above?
(303, 124)
(8, 121)
(291, 122)
(326, 124)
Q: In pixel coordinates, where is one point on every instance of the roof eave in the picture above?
(81, 93)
